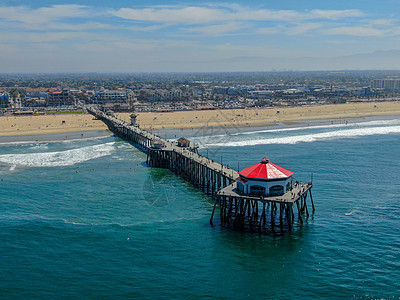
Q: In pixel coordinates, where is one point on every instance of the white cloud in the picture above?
(212, 14)
(40, 37)
(383, 22)
(26, 15)
(219, 29)
(188, 15)
(147, 28)
(335, 14)
(80, 27)
(303, 28)
(356, 31)
(268, 30)
(78, 37)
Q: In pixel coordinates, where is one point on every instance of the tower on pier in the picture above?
(264, 178)
(133, 119)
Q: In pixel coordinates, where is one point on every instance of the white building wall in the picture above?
(266, 184)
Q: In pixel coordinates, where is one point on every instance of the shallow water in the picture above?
(88, 219)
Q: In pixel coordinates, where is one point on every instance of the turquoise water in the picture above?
(88, 219)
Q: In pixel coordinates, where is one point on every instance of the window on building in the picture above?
(257, 190)
(276, 190)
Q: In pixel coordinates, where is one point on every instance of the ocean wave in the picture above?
(41, 146)
(57, 159)
(356, 124)
(56, 140)
(98, 222)
(93, 138)
(309, 138)
(308, 127)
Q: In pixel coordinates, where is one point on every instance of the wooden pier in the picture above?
(242, 211)
(260, 213)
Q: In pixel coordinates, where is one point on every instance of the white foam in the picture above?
(359, 124)
(288, 129)
(58, 159)
(53, 141)
(37, 147)
(308, 138)
(93, 138)
(350, 213)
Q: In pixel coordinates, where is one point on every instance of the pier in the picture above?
(237, 209)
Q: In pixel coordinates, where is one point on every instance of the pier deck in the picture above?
(289, 197)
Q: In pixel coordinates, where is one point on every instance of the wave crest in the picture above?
(58, 159)
(308, 138)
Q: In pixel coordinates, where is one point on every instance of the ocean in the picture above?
(86, 218)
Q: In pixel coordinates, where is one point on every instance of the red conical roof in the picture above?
(265, 170)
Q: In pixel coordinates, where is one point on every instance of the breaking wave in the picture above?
(57, 159)
(358, 124)
(308, 138)
(55, 140)
(304, 127)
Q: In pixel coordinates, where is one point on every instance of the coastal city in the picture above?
(199, 149)
(30, 94)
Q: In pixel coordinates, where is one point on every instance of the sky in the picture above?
(198, 36)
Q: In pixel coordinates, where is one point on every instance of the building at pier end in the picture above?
(265, 179)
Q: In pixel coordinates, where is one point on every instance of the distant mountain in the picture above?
(378, 60)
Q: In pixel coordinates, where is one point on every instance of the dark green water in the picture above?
(87, 219)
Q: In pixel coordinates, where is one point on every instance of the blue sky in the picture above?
(175, 36)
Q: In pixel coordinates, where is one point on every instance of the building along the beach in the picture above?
(60, 98)
(4, 99)
(33, 99)
(264, 178)
(111, 96)
(391, 84)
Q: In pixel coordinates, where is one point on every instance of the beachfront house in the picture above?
(60, 98)
(264, 179)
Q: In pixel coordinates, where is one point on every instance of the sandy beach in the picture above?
(253, 117)
(49, 124)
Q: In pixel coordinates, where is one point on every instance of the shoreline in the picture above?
(17, 127)
(261, 117)
(175, 133)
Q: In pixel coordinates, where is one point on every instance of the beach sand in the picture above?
(253, 117)
(48, 124)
